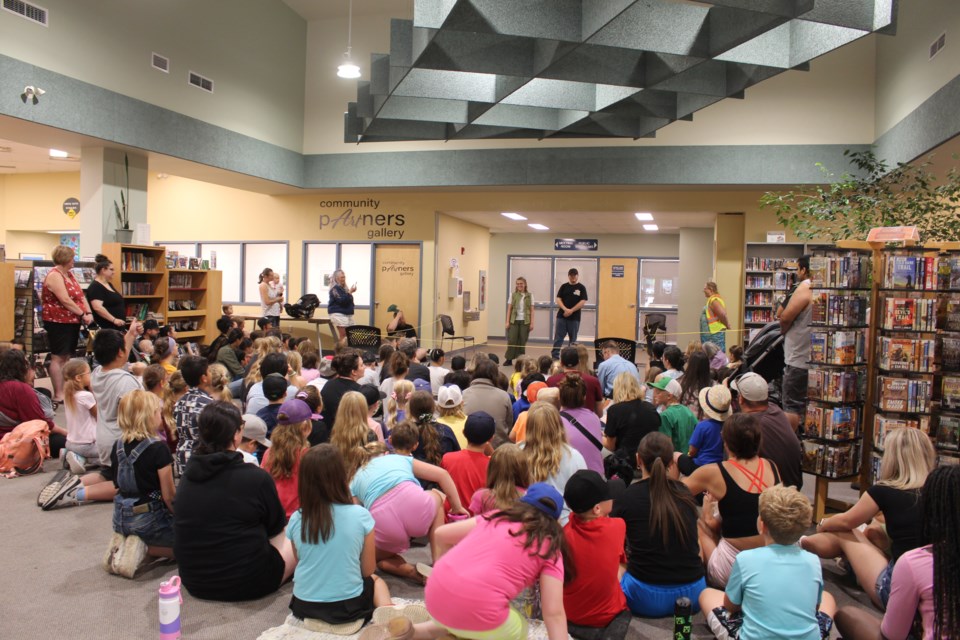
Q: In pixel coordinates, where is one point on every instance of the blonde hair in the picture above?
(626, 388)
(219, 382)
(294, 362)
(350, 430)
(74, 368)
(507, 471)
(550, 395)
(583, 364)
(908, 458)
(692, 347)
(176, 387)
(136, 415)
(451, 412)
(546, 441)
(261, 347)
(62, 254)
(287, 442)
(785, 512)
(399, 399)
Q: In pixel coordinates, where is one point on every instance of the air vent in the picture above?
(7, 166)
(938, 45)
(200, 82)
(26, 10)
(159, 62)
(6, 149)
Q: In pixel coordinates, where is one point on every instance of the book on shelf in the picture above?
(131, 288)
(21, 306)
(882, 425)
(948, 433)
(848, 272)
(906, 354)
(137, 261)
(949, 354)
(835, 386)
(832, 423)
(831, 460)
(770, 264)
(950, 393)
(22, 278)
(904, 394)
(948, 315)
(909, 314)
(926, 273)
(837, 347)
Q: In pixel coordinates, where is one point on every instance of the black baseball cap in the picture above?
(479, 427)
(372, 394)
(274, 386)
(585, 489)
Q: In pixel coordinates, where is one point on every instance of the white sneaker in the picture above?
(65, 494)
(129, 557)
(76, 463)
(116, 541)
(51, 487)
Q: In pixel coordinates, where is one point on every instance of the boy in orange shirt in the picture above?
(595, 605)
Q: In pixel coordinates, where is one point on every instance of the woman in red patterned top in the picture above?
(64, 308)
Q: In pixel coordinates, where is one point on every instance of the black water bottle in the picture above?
(682, 619)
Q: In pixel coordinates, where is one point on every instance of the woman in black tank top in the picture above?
(735, 485)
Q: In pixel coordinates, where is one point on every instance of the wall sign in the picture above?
(71, 207)
(776, 236)
(570, 244)
(616, 271)
(375, 225)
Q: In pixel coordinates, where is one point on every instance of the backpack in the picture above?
(23, 450)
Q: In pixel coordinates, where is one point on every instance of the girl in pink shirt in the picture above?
(925, 580)
(494, 559)
(507, 479)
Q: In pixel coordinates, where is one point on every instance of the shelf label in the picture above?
(892, 234)
(776, 236)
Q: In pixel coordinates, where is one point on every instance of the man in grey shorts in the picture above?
(795, 326)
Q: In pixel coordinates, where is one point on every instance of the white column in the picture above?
(102, 178)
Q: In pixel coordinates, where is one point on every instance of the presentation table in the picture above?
(316, 322)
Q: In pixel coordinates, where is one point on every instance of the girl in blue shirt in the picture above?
(334, 583)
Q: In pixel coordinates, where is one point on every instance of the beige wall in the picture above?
(729, 250)
(696, 267)
(31, 203)
(30, 242)
(452, 234)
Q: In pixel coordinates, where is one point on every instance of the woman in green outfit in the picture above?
(519, 320)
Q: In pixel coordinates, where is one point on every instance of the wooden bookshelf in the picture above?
(140, 276)
(8, 281)
(194, 303)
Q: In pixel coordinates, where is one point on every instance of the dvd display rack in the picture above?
(769, 271)
(947, 428)
(832, 431)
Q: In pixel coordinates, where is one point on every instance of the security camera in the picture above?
(31, 93)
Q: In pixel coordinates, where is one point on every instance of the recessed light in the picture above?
(56, 153)
(643, 216)
(61, 232)
(651, 227)
(513, 216)
(538, 226)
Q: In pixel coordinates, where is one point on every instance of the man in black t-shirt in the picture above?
(570, 298)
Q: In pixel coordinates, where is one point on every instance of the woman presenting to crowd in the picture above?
(107, 305)
(271, 297)
(519, 321)
(340, 304)
(64, 308)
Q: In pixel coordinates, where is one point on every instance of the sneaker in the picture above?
(508, 363)
(76, 463)
(413, 612)
(322, 626)
(116, 541)
(424, 569)
(52, 486)
(56, 491)
(396, 629)
(129, 557)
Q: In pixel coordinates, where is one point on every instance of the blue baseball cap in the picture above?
(536, 495)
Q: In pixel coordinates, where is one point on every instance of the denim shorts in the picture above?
(658, 600)
(883, 585)
(154, 526)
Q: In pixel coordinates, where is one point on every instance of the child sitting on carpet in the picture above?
(81, 410)
(389, 486)
(755, 604)
(490, 560)
(288, 442)
(334, 585)
(507, 479)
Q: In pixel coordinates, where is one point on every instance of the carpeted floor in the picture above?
(51, 584)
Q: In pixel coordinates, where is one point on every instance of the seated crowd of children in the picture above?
(322, 470)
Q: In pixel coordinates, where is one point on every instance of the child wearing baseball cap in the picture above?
(289, 442)
(594, 598)
(468, 467)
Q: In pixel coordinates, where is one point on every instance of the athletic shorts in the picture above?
(794, 390)
(404, 512)
(721, 563)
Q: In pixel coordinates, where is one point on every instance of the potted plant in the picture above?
(124, 233)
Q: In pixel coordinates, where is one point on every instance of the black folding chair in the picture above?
(447, 332)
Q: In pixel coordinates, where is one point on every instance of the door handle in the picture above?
(631, 306)
(376, 304)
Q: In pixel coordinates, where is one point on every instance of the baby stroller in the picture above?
(764, 354)
(304, 307)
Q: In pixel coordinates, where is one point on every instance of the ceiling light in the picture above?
(348, 69)
(643, 216)
(538, 226)
(61, 232)
(56, 153)
(513, 216)
(651, 227)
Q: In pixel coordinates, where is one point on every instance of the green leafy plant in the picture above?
(876, 196)
(123, 216)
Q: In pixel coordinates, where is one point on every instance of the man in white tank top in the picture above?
(795, 327)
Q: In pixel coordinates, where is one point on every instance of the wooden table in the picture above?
(316, 322)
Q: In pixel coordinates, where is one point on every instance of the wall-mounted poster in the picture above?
(482, 302)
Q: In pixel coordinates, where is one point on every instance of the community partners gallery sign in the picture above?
(356, 214)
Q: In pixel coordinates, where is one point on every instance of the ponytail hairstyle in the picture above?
(176, 387)
(398, 401)
(220, 381)
(941, 529)
(507, 471)
(667, 497)
(541, 534)
(421, 412)
(287, 443)
(73, 369)
(322, 484)
(399, 364)
(311, 395)
(266, 274)
(435, 355)
(162, 349)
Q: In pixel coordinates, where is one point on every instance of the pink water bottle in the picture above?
(170, 601)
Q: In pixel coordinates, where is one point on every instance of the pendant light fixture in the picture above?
(348, 69)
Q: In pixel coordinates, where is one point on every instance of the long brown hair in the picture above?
(350, 431)
(323, 483)
(507, 471)
(668, 498)
(421, 412)
(287, 444)
(542, 535)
